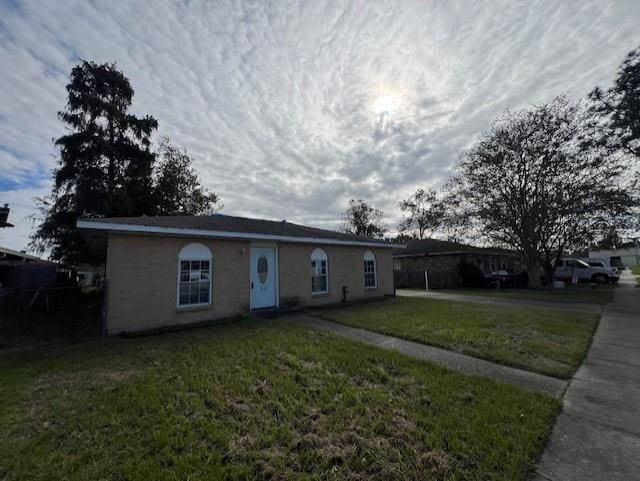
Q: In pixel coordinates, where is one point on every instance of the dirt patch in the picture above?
(65, 381)
(240, 409)
(401, 422)
(437, 462)
(240, 448)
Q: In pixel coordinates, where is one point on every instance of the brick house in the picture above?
(442, 260)
(172, 270)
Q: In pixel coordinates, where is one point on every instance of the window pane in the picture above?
(184, 299)
(184, 294)
(204, 292)
(370, 280)
(319, 284)
(193, 293)
(195, 282)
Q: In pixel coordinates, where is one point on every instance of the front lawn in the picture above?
(258, 400)
(542, 340)
(635, 270)
(581, 293)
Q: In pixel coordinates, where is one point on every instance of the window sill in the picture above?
(320, 294)
(375, 288)
(194, 307)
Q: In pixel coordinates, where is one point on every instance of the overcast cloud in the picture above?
(291, 108)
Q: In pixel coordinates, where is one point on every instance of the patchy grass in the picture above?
(581, 293)
(635, 270)
(542, 340)
(258, 400)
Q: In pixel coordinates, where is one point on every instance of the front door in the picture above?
(263, 277)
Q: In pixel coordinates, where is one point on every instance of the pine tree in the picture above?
(105, 165)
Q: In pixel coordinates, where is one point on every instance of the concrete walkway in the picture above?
(449, 359)
(597, 435)
(481, 299)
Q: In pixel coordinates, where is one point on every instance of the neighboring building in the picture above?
(441, 259)
(19, 270)
(628, 255)
(182, 269)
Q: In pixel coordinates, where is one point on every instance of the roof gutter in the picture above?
(449, 253)
(174, 231)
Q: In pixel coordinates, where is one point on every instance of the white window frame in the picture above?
(319, 255)
(190, 253)
(369, 256)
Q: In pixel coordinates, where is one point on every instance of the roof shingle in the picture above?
(231, 224)
(418, 247)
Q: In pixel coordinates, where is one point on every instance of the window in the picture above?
(319, 272)
(194, 275)
(370, 278)
(576, 264)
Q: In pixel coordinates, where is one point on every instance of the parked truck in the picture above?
(570, 269)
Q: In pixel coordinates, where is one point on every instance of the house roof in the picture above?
(226, 226)
(424, 247)
(13, 255)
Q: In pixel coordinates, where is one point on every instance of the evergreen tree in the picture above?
(620, 106)
(177, 190)
(105, 165)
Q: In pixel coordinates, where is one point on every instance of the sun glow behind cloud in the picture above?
(387, 103)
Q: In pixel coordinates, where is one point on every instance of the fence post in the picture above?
(426, 280)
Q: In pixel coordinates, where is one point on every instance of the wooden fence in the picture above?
(50, 312)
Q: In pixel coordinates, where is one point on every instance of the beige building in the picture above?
(626, 256)
(164, 271)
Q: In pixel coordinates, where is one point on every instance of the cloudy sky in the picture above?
(291, 108)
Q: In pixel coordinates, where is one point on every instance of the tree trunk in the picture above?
(534, 270)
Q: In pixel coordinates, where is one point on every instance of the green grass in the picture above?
(582, 293)
(542, 340)
(258, 400)
(635, 270)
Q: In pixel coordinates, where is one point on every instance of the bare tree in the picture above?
(423, 213)
(363, 220)
(535, 183)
